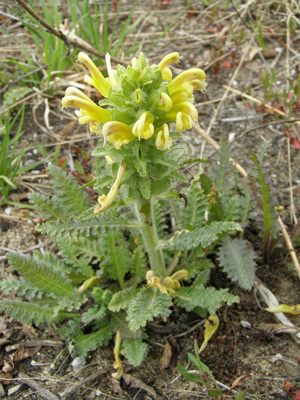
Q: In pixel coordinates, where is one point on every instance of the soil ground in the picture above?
(217, 36)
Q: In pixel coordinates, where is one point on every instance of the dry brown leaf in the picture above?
(5, 378)
(138, 384)
(25, 352)
(278, 328)
(116, 386)
(170, 354)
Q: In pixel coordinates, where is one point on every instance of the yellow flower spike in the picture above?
(187, 76)
(112, 79)
(163, 140)
(164, 65)
(88, 283)
(118, 363)
(183, 122)
(211, 325)
(117, 133)
(165, 102)
(143, 128)
(284, 308)
(97, 80)
(106, 200)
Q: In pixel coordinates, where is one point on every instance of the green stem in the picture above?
(149, 234)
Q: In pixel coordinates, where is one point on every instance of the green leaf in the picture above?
(240, 396)
(119, 323)
(42, 275)
(145, 187)
(94, 314)
(13, 95)
(46, 206)
(189, 376)
(194, 213)
(209, 298)
(148, 304)
(135, 350)
(29, 312)
(237, 260)
(215, 393)
(120, 300)
(203, 237)
(89, 342)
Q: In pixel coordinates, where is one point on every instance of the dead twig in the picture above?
(67, 40)
(33, 384)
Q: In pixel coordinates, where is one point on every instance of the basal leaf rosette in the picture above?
(139, 104)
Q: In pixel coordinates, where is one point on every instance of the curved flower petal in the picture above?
(164, 65)
(183, 122)
(112, 79)
(187, 76)
(184, 107)
(163, 140)
(180, 89)
(89, 111)
(165, 102)
(106, 200)
(117, 133)
(97, 80)
(143, 128)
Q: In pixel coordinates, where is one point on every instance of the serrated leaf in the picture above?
(42, 275)
(94, 314)
(145, 187)
(119, 323)
(120, 300)
(148, 304)
(209, 298)
(135, 350)
(89, 342)
(203, 237)
(237, 260)
(29, 312)
(194, 213)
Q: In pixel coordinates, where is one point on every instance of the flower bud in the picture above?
(163, 140)
(143, 128)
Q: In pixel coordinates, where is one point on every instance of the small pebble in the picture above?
(78, 363)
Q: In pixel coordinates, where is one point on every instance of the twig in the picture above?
(289, 245)
(31, 382)
(72, 389)
(255, 100)
(10, 83)
(68, 41)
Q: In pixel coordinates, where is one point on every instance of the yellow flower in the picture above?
(185, 108)
(163, 140)
(165, 102)
(164, 65)
(183, 122)
(117, 133)
(112, 79)
(106, 200)
(89, 111)
(190, 75)
(143, 128)
(97, 80)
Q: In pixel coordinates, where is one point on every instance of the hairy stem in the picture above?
(144, 215)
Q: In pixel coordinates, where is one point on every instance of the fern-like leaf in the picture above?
(75, 226)
(30, 312)
(194, 213)
(120, 300)
(148, 304)
(72, 200)
(72, 250)
(42, 275)
(119, 323)
(237, 260)
(89, 342)
(135, 350)
(46, 206)
(209, 299)
(22, 287)
(203, 237)
(117, 257)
